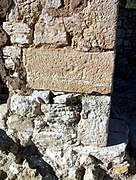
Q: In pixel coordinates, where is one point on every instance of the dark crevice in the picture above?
(81, 173)
(4, 92)
(69, 37)
(123, 97)
(3, 175)
(29, 153)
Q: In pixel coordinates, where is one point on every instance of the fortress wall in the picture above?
(58, 63)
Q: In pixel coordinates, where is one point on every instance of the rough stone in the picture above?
(12, 56)
(53, 4)
(92, 128)
(65, 46)
(43, 97)
(85, 22)
(55, 34)
(23, 105)
(69, 70)
(3, 112)
(26, 12)
(61, 99)
(105, 154)
(20, 33)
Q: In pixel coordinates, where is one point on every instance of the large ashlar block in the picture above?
(69, 70)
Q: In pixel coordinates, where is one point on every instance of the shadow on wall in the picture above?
(29, 153)
(3, 91)
(122, 123)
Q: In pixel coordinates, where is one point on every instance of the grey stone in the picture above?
(93, 126)
(23, 105)
(61, 99)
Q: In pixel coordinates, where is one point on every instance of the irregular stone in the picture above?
(53, 3)
(20, 33)
(105, 154)
(68, 70)
(3, 37)
(62, 98)
(55, 34)
(94, 173)
(12, 56)
(3, 112)
(92, 128)
(78, 24)
(23, 105)
(22, 126)
(51, 139)
(55, 138)
(43, 97)
(60, 114)
(26, 12)
(19, 124)
(121, 169)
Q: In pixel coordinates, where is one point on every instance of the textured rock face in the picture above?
(20, 33)
(68, 129)
(73, 25)
(69, 70)
(93, 126)
(50, 48)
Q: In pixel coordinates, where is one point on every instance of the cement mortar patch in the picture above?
(69, 70)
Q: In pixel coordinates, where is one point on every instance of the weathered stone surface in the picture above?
(55, 34)
(27, 12)
(53, 3)
(12, 56)
(67, 99)
(3, 112)
(43, 97)
(66, 131)
(87, 24)
(92, 128)
(20, 33)
(69, 70)
(23, 105)
(103, 153)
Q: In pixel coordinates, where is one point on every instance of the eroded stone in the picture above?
(20, 33)
(69, 70)
(93, 126)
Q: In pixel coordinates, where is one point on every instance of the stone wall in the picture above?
(126, 33)
(64, 28)
(58, 61)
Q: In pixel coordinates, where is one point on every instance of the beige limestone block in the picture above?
(69, 70)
